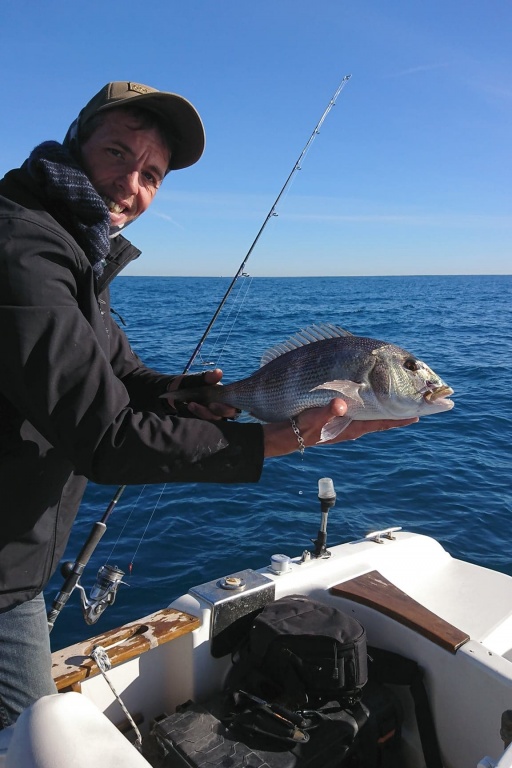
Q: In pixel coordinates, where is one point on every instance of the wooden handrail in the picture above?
(72, 665)
(375, 591)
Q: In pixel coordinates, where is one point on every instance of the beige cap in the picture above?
(186, 132)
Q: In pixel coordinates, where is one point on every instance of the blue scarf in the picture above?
(67, 188)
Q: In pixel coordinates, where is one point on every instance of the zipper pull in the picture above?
(336, 671)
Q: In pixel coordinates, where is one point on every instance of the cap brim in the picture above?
(179, 117)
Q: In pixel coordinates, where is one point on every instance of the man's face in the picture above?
(125, 164)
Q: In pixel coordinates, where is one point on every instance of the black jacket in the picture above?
(76, 402)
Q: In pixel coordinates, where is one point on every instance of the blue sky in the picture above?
(410, 174)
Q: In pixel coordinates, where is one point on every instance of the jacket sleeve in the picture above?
(59, 372)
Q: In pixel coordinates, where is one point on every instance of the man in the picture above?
(76, 403)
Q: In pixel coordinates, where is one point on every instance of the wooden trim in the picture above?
(375, 591)
(73, 664)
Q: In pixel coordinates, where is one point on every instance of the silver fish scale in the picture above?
(285, 385)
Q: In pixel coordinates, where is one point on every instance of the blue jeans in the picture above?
(25, 658)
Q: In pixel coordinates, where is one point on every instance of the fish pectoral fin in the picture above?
(346, 388)
(334, 428)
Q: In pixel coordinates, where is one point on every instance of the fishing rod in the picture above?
(108, 579)
(270, 214)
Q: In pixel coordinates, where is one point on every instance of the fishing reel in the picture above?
(103, 593)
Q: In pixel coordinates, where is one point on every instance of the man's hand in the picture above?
(215, 411)
(280, 438)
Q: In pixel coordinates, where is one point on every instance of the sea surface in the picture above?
(448, 476)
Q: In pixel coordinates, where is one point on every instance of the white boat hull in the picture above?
(468, 679)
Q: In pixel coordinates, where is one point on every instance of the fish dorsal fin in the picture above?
(309, 335)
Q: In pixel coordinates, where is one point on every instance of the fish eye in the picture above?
(411, 364)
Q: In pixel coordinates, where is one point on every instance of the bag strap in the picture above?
(260, 720)
(258, 717)
(394, 669)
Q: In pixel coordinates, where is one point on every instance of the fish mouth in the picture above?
(438, 393)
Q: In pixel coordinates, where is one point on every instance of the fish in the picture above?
(376, 379)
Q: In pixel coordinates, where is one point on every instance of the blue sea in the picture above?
(448, 476)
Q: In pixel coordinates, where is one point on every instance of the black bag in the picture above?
(213, 736)
(302, 653)
(297, 697)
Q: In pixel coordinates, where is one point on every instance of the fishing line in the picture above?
(224, 332)
(211, 357)
(146, 528)
(126, 523)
